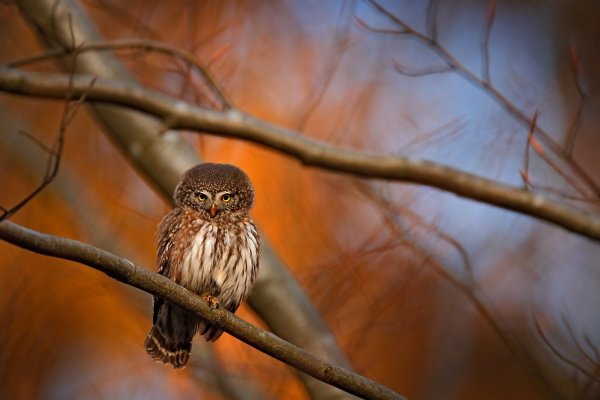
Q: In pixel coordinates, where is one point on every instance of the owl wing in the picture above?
(167, 227)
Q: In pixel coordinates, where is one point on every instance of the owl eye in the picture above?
(226, 197)
(201, 196)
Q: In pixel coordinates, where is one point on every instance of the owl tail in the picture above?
(157, 347)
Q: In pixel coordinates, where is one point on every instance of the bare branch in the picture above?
(236, 124)
(584, 99)
(530, 138)
(413, 72)
(532, 142)
(577, 343)
(35, 140)
(54, 158)
(561, 356)
(341, 42)
(432, 29)
(132, 44)
(485, 86)
(361, 23)
(158, 285)
(54, 153)
(574, 62)
(485, 42)
(539, 150)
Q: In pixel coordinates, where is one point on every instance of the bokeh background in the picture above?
(432, 295)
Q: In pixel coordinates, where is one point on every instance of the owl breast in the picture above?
(222, 261)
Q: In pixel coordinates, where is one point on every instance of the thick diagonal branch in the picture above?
(236, 124)
(158, 285)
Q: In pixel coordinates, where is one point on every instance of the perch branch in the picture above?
(158, 285)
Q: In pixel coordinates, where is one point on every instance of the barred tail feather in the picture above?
(156, 346)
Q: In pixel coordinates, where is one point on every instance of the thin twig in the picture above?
(592, 347)
(341, 43)
(584, 99)
(415, 72)
(383, 31)
(525, 172)
(432, 29)
(576, 342)
(563, 195)
(590, 383)
(533, 142)
(574, 63)
(54, 153)
(561, 356)
(568, 178)
(51, 171)
(485, 42)
(132, 44)
(158, 285)
(417, 221)
(35, 140)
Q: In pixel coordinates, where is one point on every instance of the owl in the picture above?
(210, 245)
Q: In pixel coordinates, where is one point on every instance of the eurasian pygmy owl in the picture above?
(208, 244)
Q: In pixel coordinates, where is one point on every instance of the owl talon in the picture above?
(213, 302)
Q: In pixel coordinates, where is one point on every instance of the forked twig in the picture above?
(560, 355)
(132, 44)
(54, 153)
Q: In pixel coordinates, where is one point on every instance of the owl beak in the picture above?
(213, 210)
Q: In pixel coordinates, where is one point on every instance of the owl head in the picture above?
(215, 189)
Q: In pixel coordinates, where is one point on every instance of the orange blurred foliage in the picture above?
(70, 332)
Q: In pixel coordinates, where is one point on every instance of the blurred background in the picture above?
(432, 295)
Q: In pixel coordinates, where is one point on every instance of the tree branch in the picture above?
(236, 124)
(158, 285)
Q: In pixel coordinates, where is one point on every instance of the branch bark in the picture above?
(179, 114)
(132, 275)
